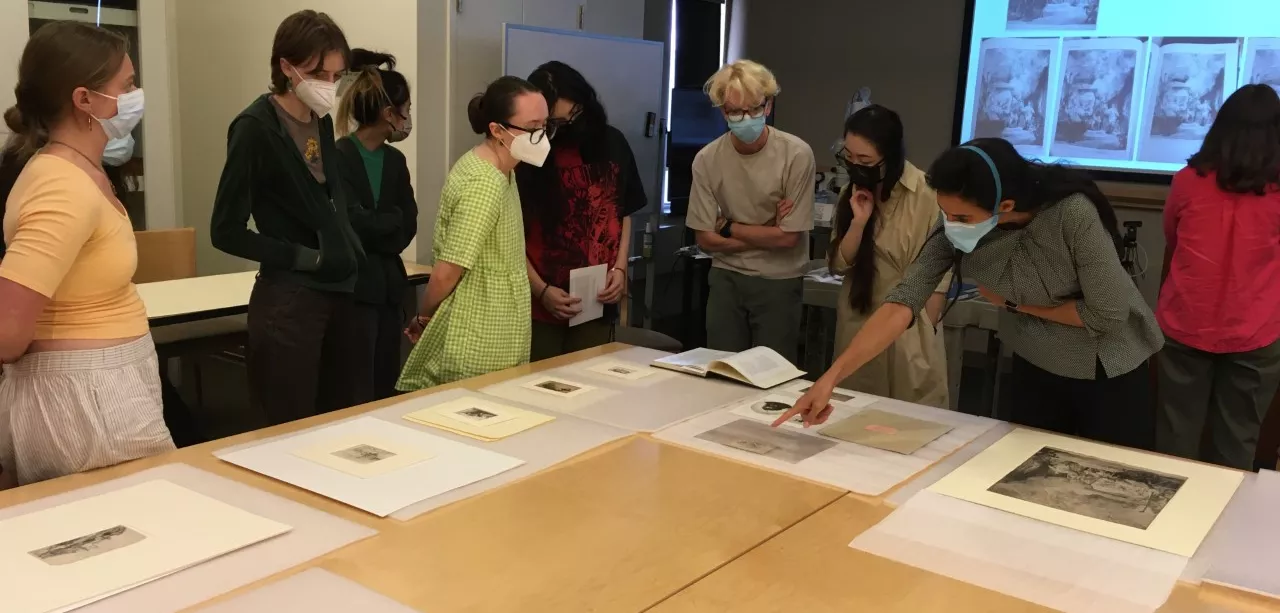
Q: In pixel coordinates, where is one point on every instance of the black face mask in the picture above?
(865, 177)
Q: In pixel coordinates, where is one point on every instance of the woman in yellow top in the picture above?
(882, 221)
(81, 388)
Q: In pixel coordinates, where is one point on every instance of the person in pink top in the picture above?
(1219, 302)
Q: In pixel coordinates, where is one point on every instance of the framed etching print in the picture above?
(1149, 500)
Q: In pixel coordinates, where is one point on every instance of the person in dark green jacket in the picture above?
(375, 111)
(282, 170)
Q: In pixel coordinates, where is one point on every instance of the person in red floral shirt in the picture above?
(577, 211)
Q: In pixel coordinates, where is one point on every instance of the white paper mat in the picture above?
(857, 468)
(943, 468)
(314, 591)
(441, 464)
(1246, 554)
(1046, 564)
(639, 406)
(540, 447)
(314, 534)
(1220, 538)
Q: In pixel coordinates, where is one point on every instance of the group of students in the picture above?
(550, 188)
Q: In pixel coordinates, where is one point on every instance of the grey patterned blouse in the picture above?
(1064, 254)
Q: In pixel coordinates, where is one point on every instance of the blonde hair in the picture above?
(752, 80)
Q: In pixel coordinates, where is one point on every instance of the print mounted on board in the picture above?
(1188, 81)
(1013, 91)
(754, 437)
(1262, 62)
(1052, 15)
(88, 546)
(363, 454)
(363, 457)
(1098, 103)
(1092, 487)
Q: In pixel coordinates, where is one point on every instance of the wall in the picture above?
(824, 50)
(160, 130)
(13, 37)
(223, 62)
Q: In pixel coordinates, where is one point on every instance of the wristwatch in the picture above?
(1010, 306)
(726, 231)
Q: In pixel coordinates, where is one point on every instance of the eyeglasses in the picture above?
(556, 123)
(739, 114)
(844, 156)
(535, 134)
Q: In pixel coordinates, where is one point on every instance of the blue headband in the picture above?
(995, 174)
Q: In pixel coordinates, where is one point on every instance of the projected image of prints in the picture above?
(1092, 487)
(1097, 99)
(1013, 92)
(1052, 14)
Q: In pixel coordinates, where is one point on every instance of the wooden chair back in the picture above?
(165, 255)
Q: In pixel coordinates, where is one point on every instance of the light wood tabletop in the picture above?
(811, 568)
(616, 529)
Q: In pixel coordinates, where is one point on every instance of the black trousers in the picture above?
(306, 352)
(1116, 410)
(383, 329)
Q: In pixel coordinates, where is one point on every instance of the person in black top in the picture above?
(577, 210)
(382, 208)
(282, 169)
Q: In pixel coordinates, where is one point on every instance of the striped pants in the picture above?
(64, 412)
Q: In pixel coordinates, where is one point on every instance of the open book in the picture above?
(761, 366)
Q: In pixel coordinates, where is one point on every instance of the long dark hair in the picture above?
(1031, 184)
(883, 129)
(375, 87)
(1243, 146)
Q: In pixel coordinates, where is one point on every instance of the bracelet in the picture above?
(543, 292)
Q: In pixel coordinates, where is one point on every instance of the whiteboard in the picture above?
(628, 74)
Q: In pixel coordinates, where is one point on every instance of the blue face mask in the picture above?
(118, 151)
(749, 129)
(965, 236)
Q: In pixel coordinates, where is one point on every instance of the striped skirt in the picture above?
(64, 412)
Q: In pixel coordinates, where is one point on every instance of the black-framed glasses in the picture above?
(845, 157)
(558, 123)
(535, 134)
(739, 115)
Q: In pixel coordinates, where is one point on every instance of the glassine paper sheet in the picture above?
(884, 430)
(314, 591)
(1220, 536)
(314, 534)
(948, 464)
(62, 558)
(540, 448)
(1049, 565)
(1149, 500)
(450, 465)
(1248, 555)
(840, 396)
(646, 405)
(857, 468)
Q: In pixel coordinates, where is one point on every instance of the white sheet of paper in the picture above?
(451, 465)
(558, 387)
(1150, 500)
(363, 456)
(1247, 553)
(126, 538)
(622, 370)
(586, 284)
(315, 591)
(849, 398)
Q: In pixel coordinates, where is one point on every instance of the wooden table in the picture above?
(616, 529)
(215, 296)
(811, 568)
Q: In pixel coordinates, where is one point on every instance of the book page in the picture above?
(586, 285)
(695, 361)
(761, 366)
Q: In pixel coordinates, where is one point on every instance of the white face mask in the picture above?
(118, 151)
(318, 95)
(524, 149)
(128, 113)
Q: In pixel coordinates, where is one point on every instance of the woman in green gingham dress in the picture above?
(474, 318)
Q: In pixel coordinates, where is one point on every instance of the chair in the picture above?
(165, 255)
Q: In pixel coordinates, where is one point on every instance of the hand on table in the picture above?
(815, 407)
(559, 303)
(615, 287)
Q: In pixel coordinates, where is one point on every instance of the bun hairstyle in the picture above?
(60, 57)
(375, 86)
(497, 103)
